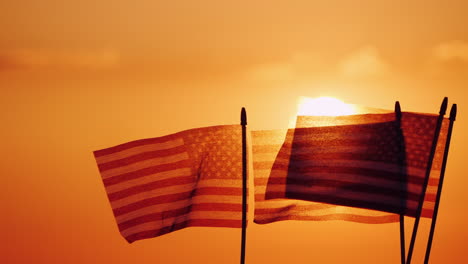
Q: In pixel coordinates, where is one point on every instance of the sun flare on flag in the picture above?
(324, 106)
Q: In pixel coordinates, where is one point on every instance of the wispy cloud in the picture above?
(364, 62)
(453, 50)
(298, 66)
(35, 58)
(273, 71)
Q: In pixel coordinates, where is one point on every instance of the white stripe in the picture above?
(317, 150)
(144, 164)
(280, 203)
(282, 188)
(153, 193)
(198, 199)
(346, 178)
(374, 165)
(314, 136)
(289, 208)
(343, 194)
(219, 183)
(149, 226)
(322, 211)
(148, 179)
(139, 149)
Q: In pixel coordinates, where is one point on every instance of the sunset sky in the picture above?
(77, 76)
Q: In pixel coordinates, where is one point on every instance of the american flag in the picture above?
(337, 168)
(159, 185)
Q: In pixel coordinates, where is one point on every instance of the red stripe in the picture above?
(229, 207)
(378, 189)
(140, 157)
(392, 159)
(375, 205)
(372, 173)
(219, 191)
(338, 141)
(391, 218)
(136, 143)
(161, 216)
(344, 187)
(153, 186)
(284, 167)
(152, 201)
(216, 223)
(147, 171)
(381, 128)
(293, 207)
(177, 197)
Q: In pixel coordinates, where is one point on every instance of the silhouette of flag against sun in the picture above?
(359, 168)
(159, 185)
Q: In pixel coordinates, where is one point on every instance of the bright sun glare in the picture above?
(323, 106)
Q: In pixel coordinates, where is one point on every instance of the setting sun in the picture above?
(324, 106)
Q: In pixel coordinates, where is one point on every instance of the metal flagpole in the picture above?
(443, 109)
(244, 184)
(453, 114)
(402, 163)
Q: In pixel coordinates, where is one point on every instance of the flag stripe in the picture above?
(345, 178)
(148, 179)
(147, 171)
(281, 213)
(139, 157)
(144, 164)
(365, 219)
(177, 203)
(152, 187)
(193, 215)
(174, 189)
(161, 216)
(414, 175)
(410, 192)
(214, 192)
(136, 147)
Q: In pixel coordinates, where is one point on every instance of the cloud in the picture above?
(450, 51)
(364, 62)
(298, 66)
(34, 58)
(272, 71)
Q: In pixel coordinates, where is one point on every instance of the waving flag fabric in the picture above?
(159, 185)
(340, 167)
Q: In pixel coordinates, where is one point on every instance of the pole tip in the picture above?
(398, 110)
(443, 107)
(243, 117)
(453, 112)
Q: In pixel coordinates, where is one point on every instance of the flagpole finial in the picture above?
(443, 107)
(243, 117)
(453, 112)
(398, 110)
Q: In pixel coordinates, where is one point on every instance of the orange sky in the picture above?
(85, 75)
